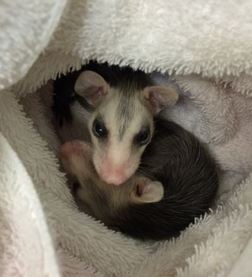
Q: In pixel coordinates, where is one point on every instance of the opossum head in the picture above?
(99, 199)
(121, 124)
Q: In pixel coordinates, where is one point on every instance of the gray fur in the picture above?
(189, 177)
(125, 109)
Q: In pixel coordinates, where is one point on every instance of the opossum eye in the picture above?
(143, 137)
(99, 129)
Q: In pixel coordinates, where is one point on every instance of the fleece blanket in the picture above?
(205, 46)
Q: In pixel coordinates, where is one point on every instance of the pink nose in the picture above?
(114, 176)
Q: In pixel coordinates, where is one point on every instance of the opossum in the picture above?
(176, 182)
(122, 104)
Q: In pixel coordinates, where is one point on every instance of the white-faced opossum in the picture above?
(176, 182)
(123, 104)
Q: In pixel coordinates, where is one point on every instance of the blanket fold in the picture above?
(206, 48)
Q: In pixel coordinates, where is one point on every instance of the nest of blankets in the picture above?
(206, 48)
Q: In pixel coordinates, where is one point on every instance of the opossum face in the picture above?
(119, 136)
(121, 125)
(76, 157)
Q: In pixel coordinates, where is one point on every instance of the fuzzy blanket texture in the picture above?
(206, 48)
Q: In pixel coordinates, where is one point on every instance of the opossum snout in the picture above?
(115, 174)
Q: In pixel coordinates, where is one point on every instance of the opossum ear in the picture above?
(160, 97)
(91, 86)
(147, 191)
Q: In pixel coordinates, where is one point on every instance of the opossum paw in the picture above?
(74, 147)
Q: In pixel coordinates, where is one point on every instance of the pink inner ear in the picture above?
(141, 189)
(95, 94)
(152, 97)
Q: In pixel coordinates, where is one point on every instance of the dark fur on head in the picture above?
(124, 78)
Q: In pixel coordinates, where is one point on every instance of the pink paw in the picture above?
(74, 147)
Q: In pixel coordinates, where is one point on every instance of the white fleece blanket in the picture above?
(207, 46)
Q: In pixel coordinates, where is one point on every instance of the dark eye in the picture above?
(143, 137)
(99, 129)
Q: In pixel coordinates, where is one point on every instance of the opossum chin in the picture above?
(114, 173)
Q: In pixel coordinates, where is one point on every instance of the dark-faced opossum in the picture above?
(175, 182)
(122, 105)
